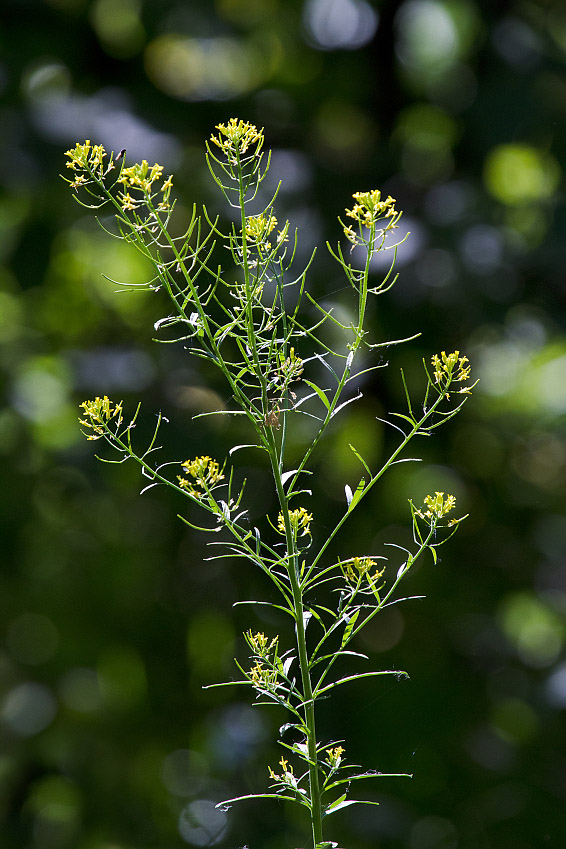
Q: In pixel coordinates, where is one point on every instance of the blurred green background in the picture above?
(110, 621)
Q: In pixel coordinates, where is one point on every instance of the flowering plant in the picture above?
(253, 331)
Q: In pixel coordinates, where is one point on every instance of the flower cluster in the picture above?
(260, 644)
(437, 506)
(288, 369)
(87, 161)
(98, 415)
(235, 137)
(287, 778)
(334, 756)
(205, 472)
(258, 227)
(367, 211)
(449, 368)
(141, 178)
(263, 677)
(300, 521)
(356, 568)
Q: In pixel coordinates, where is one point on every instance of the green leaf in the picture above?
(349, 628)
(336, 807)
(357, 495)
(360, 458)
(319, 392)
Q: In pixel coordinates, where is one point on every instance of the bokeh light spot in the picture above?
(202, 824)
(339, 24)
(117, 24)
(197, 69)
(518, 173)
(514, 720)
(426, 35)
(80, 690)
(121, 677)
(28, 709)
(532, 628)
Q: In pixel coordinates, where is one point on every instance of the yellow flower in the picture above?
(450, 368)
(79, 180)
(235, 137)
(205, 472)
(438, 506)
(127, 201)
(358, 567)
(263, 678)
(260, 644)
(258, 228)
(300, 521)
(137, 175)
(86, 157)
(98, 415)
(335, 756)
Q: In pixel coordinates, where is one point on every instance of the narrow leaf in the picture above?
(321, 394)
(333, 808)
(345, 403)
(349, 628)
(360, 458)
(357, 494)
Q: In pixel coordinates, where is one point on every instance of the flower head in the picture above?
(334, 756)
(235, 137)
(140, 177)
(368, 210)
(204, 471)
(357, 568)
(287, 777)
(89, 159)
(300, 521)
(263, 677)
(258, 228)
(260, 644)
(451, 368)
(98, 414)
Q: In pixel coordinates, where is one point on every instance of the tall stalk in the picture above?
(237, 319)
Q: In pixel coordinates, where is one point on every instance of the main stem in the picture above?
(310, 721)
(293, 555)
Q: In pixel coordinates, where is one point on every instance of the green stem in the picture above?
(293, 567)
(388, 463)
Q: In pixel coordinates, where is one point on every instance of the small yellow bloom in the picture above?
(137, 175)
(258, 228)
(300, 521)
(262, 677)
(358, 567)
(260, 644)
(235, 137)
(79, 180)
(450, 367)
(335, 756)
(85, 157)
(98, 415)
(367, 211)
(127, 201)
(204, 471)
(438, 506)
